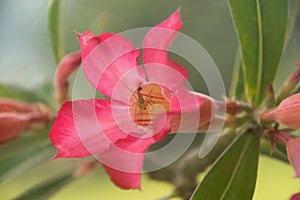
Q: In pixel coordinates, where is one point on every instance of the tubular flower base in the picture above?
(140, 111)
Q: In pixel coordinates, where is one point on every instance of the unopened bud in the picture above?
(292, 147)
(65, 68)
(287, 113)
(270, 96)
(12, 124)
(12, 105)
(293, 151)
(295, 196)
(17, 116)
(290, 85)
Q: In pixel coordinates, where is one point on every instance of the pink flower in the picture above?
(145, 104)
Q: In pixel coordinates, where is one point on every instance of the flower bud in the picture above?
(270, 96)
(290, 85)
(17, 116)
(65, 68)
(12, 105)
(295, 196)
(12, 124)
(293, 151)
(288, 112)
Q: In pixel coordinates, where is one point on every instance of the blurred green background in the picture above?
(26, 60)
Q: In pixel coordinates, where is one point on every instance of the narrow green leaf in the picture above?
(42, 93)
(25, 141)
(261, 26)
(11, 91)
(55, 27)
(237, 88)
(234, 172)
(16, 164)
(46, 189)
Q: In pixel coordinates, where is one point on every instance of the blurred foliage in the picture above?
(55, 27)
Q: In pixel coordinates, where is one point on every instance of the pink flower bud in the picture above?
(12, 105)
(12, 124)
(65, 68)
(295, 196)
(288, 112)
(16, 116)
(293, 151)
(290, 84)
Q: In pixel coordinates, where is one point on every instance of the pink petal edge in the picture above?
(109, 59)
(124, 161)
(79, 128)
(155, 51)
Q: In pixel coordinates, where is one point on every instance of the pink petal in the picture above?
(156, 44)
(88, 42)
(106, 61)
(125, 180)
(79, 128)
(124, 160)
(293, 150)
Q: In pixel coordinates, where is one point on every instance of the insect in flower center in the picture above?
(146, 102)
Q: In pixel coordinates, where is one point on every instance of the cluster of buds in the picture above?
(288, 114)
(17, 116)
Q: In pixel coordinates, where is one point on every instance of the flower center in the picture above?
(146, 102)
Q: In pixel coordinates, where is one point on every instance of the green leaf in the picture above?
(237, 88)
(26, 140)
(233, 176)
(11, 91)
(16, 164)
(55, 27)
(42, 93)
(261, 26)
(46, 189)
